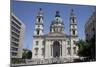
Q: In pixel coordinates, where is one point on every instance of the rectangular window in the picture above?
(14, 49)
(14, 44)
(14, 54)
(36, 51)
(14, 29)
(14, 39)
(12, 17)
(69, 49)
(43, 43)
(13, 33)
(74, 42)
(68, 42)
(74, 48)
(37, 42)
(15, 25)
(42, 51)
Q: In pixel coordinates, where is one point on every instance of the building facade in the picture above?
(90, 27)
(16, 37)
(56, 43)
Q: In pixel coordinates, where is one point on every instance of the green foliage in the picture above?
(24, 55)
(27, 55)
(86, 48)
(82, 48)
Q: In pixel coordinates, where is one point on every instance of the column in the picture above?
(46, 49)
(51, 51)
(71, 48)
(64, 48)
(61, 49)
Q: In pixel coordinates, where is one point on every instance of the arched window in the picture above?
(38, 32)
(73, 32)
(39, 19)
(73, 20)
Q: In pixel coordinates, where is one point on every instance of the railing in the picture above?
(56, 60)
(42, 61)
(48, 61)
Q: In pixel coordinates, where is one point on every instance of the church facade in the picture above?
(56, 43)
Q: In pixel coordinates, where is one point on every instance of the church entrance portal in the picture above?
(56, 49)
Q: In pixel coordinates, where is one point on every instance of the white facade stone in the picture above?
(56, 42)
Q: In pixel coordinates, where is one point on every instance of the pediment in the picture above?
(56, 34)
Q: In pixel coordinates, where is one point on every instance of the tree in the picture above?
(24, 55)
(29, 55)
(92, 43)
(83, 48)
(87, 49)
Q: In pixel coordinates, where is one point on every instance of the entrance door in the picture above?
(56, 49)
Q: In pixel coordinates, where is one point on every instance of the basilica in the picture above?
(55, 43)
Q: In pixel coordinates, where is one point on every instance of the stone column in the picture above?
(51, 51)
(71, 44)
(46, 50)
(65, 48)
(61, 49)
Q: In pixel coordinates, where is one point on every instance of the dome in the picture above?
(57, 19)
(57, 24)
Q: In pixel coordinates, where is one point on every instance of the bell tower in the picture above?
(39, 23)
(73, 34)
(38, 41)
(73, 24)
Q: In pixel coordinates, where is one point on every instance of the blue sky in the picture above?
(27, 11)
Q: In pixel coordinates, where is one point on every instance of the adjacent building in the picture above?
(56, 43)
(90, 27)
(16, 37)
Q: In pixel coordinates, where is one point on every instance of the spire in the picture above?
(57, 14)
(72, 12)
(40, 13)
(40, 9)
